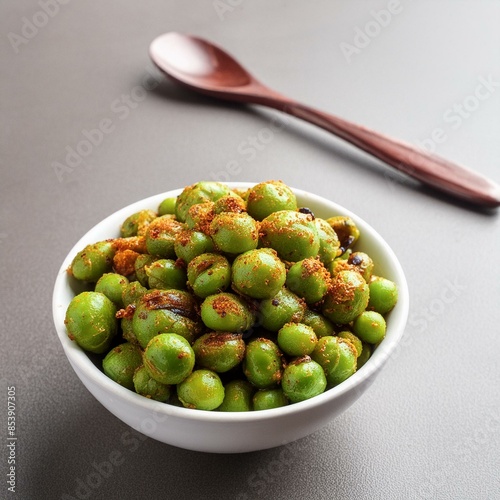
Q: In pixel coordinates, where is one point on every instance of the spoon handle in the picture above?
(430, 169)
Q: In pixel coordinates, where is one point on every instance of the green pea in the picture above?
(142, 261)
(321, 325)
(363, 263)
(121, 362)
(383, 294)
(202, 390)
(237, 396)
(355, 341)
(267, 197)
(365, 355)
(370, 327)
(284, 307)
(166, 311)
(327, 354)
(346, 229)
(90, 321)
(200, 216)
(309, 279)
(127, 328)
(136, 224)
(219, 351)
(234, 233)
(167, 206)
(132, 293)
(165, 274)
(292, 234)
(226, 312)
(329, 244)
(147, 386)
(198, 193)
(265, 399)
(209, 274)
(160, 236)
(189, 244)
(230, 203)
(258, 273)
(347, 297)
(346, 365)
(303, 379)
(112, 285)
(297, 339)
(263, 363)
(93, 261)
(168, 358)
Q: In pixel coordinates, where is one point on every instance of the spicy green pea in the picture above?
(140, 264)
(267, 197)
(347, 297)
(346, 230)
(165, 274)
(209, 274)
(93, 261)
(329, 244)
(234, 233)
(266, 399)
(227, 313)
(365, 355)
(292, 234)
(112, 285)
(284, 307)
(166, 311)
(160, 236)
(219, 351)
(309, 279)
(147, 386)
(132, 293)
(297, 339)
(90, 321)
(202, 390)
(383, 294)
(136, 224)
(327, 353)
(321, 325)
(303, 379)
(346, 365)
(363, 263)
(370, 327)
(200, 192)
(263, 363)
(121, 362)
(189, 244)
(168, 358)
(237, 396)
(167, 206)
(258, 273)
(355, 341)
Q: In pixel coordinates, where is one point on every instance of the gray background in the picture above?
(430, 425)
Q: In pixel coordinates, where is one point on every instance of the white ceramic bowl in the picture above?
(220, 432)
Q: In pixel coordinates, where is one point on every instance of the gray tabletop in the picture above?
(426, 72)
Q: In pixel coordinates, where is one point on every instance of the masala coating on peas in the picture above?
(90, 321)
(267, 197)
(240, 283)
(292, 234)
(258, 273)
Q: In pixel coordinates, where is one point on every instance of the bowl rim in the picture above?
(80, 360)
